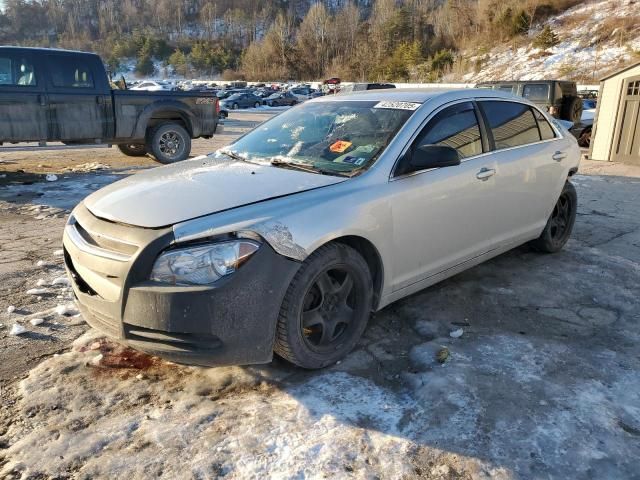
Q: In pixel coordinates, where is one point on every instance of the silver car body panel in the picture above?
(425, 226)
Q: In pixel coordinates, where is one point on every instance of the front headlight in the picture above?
(203, 264)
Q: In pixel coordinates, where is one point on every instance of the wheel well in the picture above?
(166, 116)
(370, 254)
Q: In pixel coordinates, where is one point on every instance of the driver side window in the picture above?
(457, 127)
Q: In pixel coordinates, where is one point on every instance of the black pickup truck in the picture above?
(49, 95)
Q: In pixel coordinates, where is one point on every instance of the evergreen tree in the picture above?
(546, 39)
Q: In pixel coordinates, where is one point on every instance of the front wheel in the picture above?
(256, 105)
(169, 142)
(133, 149)
(560, 224)
(326, 307)
(235, 106)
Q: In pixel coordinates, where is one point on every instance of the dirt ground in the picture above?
(543, 383)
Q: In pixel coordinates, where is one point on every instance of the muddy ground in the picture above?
(543, 383)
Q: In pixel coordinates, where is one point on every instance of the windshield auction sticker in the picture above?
(398, 105)
(340, 146)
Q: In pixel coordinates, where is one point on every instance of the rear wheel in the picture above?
(560, 223)
(133, 149)
(169, 142)
(326, 307)
(256, 105)
(235, 106)
(584, 140)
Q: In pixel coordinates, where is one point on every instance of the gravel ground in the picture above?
(543, 382)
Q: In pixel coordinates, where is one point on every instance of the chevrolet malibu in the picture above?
(286, 240)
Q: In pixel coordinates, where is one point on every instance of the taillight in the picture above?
(217, 105)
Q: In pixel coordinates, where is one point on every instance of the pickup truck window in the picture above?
(17, 72)
(69, 72)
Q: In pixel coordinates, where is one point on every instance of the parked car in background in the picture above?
(560, 98)
(280, 99)
(152, 86)
(240, 100)
(582, 130)
(288, 239)
(49, 95)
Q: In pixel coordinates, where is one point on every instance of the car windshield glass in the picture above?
(331, 137)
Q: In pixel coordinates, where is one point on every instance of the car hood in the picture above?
(167, 195)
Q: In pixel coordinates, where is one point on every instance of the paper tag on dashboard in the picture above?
(398, 105)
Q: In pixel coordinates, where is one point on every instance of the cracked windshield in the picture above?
(336, 138)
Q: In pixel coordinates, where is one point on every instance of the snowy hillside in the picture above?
(594, 39)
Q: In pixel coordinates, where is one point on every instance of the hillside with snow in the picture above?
(595, 38)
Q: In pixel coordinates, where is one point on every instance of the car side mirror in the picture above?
(432, 156)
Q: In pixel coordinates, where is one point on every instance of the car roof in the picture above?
(417, 95)
(42, 49)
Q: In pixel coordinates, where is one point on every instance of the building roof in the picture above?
(618, 72)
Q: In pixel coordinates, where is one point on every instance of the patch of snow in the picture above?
(36, 291)
(456, 333)
(17, 329)
(11, 309)
(61, 281)
(41, 282)
(68, 309)
(58, 252)
(40, 263)
(36, 321)
(51, 177)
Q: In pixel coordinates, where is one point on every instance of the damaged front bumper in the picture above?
(232, 321)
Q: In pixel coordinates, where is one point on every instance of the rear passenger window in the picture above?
(546, 132)
(536, 92)
(512, 124)
(456, 127)
(17, 71)
(69, 72)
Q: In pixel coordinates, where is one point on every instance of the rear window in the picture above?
(70, 71)
(512, 124)
(536, 92)
(546, 132)
(505, 88)
(17, 71)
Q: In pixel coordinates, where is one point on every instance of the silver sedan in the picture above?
(289, 238)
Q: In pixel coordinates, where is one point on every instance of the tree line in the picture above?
(360, 40)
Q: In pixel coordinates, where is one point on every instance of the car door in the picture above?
(23, 111)
(445, 216)
(77, 105)
(530, 175)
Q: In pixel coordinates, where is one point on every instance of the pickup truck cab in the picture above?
(51, 95)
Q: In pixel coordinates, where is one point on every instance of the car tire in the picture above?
(572, 110)
(235, 106)
(222, 114)
(326, 307)
(133, 149)
(169, 142)
(294, 103)
(558, 229)
(584, 140)
(256, 105)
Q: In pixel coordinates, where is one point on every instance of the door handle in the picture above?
(558, 156)
(485, 173)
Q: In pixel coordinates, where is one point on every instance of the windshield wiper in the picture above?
(233, 155)
(305, 167)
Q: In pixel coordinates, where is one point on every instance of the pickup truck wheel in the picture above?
(133, 149)
(326, 307)
(169, 142)
(560, 223)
